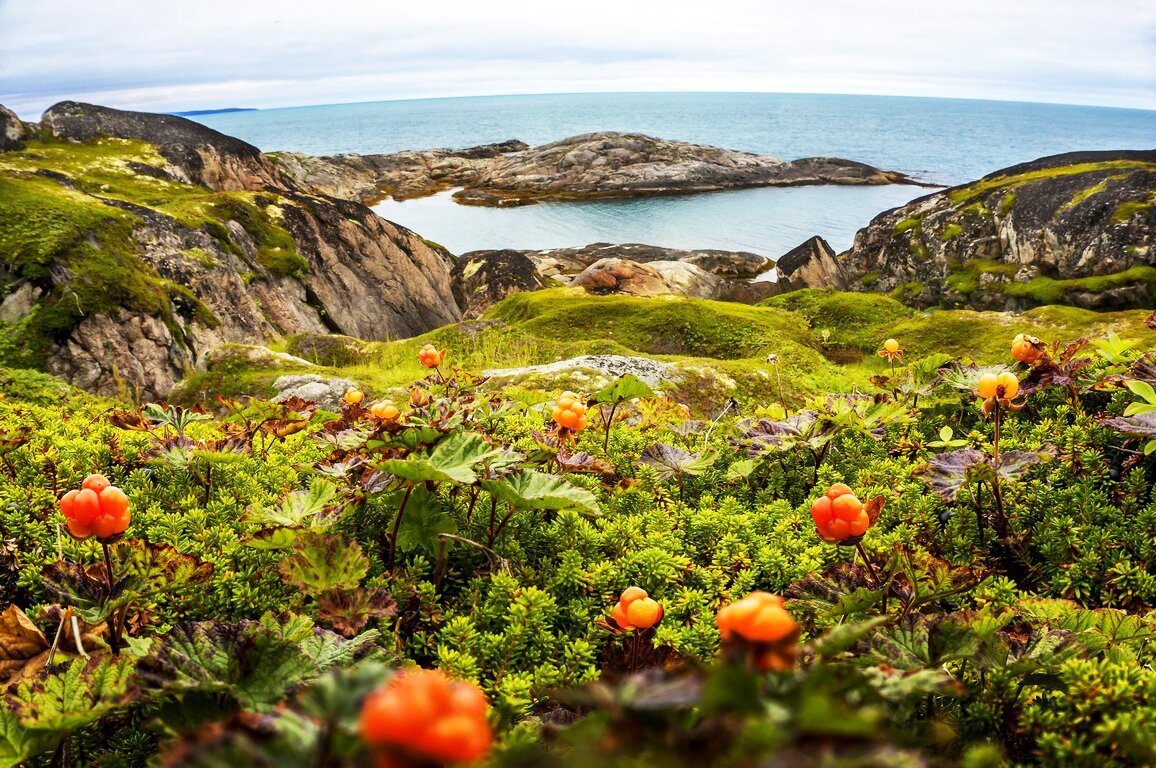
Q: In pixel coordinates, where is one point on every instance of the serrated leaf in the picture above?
(843, 636)
(966, 377)
(158, 569)
(18, 743)
(273, 538)
(348, 611)
(627, 387)
(452, 460)
(537, 490)
(328, 649)
(423, 523)
(671, 460)
(300, 506)
(81, 694)
(321, 562)
(86, 590)
(947, 473)
(244, 660)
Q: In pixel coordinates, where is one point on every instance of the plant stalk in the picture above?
(397, 527)
(113, 624)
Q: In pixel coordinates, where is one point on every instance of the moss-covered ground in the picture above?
(823, 340)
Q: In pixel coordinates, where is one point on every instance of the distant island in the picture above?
(195, 112)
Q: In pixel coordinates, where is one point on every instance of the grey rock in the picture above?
(653, 372)
(812, 264)
(202, 155)
(560, 262)
(326, 391)
(11, 130)
(246, 356)
(650, 279)
(1064, 217)
(483, 278)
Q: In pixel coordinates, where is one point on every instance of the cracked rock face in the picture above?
(1072, 229)
(361, 276)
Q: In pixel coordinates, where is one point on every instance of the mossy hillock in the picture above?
(820, 341)
(1068, 229)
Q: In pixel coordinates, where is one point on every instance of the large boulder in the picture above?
(812, 264)
(483, 278)
(647, 279)
(11, 130)
(1073, 228)
(198, 153)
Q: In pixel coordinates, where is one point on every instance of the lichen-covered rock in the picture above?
(245, 357)
(11, 129)
(1073, 228)
(323, 390)
(582, 372)
(202, 155)
(811, 264)
(329, 349)
(483, 278)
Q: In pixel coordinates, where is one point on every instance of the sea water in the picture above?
(940, 141)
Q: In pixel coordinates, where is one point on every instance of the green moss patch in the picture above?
(983, 186)
(967, 279)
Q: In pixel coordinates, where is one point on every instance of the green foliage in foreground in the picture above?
(278, 564)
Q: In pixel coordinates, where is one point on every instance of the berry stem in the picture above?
(113, 624)
(397, 526)
(867, 561)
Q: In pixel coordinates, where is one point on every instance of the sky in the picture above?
(175, 55)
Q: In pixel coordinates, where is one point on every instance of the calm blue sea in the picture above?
(945, 141)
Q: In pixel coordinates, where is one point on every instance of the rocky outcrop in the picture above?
(591, 166)
(586, 373)
(483, 278)
(251, 262)
(11, 130)
(1073, 228)
(198, 154)
(812, 264)
(607, 165)
(633, 268)
(326, 391)
(561, 262)
(403, 175)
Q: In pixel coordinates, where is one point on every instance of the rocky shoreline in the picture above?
(588, 167)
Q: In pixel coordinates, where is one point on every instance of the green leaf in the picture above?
(79, 695)
(627, 387)
(670, 460)
(1142, 389)
(843, 636)
(273, 538)
(300, 505)
(321, 562)
(244, 660)
(328, 649)
(423, 523)
(18, 743)
(538, 490)
(452, 460)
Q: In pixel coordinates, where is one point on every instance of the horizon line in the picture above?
(202, 109)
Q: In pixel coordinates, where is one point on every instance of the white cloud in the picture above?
(205, 54)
